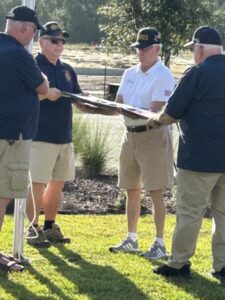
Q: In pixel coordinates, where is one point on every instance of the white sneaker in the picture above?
(155, 252)
(127, 245)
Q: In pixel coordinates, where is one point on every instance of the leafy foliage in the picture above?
(121, 19)
(78, 17)
(175, 19)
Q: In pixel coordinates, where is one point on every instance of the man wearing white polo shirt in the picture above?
(146, 156)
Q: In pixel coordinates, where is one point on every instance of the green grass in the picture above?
(86, 270)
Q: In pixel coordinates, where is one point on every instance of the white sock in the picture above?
(132, 236)
(160, 241)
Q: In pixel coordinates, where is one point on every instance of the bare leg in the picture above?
(52, 198)
(38, 191)
(3, 204)
(133, 209)
(159, 212)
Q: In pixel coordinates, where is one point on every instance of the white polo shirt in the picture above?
(139, 89)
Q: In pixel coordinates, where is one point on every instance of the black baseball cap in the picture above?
(52, 29)
(25, 14)
(146, 37)
(206, 35)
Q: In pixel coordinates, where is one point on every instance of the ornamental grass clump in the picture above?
(93, 143)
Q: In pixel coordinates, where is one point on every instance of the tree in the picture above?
(78, 17)
(5, 6)
(175, 19)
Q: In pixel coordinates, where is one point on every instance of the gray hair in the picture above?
(217, 48)
(12, 24)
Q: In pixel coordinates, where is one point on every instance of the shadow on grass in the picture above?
(96, 281)
(45, 281)
(198, 286)
(19, 291)
(16, 289)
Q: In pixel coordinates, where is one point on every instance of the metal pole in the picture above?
(20, 204)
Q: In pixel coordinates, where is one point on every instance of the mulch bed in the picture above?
(100, 196)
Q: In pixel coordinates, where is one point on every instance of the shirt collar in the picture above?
(44, 60)
(10, 38)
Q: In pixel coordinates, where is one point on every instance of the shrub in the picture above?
(92, 142)
(80, 128)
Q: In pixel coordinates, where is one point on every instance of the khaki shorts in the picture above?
(14, 166)
(146, 158)
(52, 162)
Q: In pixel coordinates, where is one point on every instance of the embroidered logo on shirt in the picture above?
(68, 76)
(167, 93)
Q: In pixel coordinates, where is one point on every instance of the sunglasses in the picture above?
(56, 41)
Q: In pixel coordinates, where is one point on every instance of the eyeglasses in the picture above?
(56, 41)
(193, 46)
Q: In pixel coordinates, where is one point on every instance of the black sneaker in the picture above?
(220, 275)
(167, 271)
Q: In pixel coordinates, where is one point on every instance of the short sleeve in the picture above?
(183, 95)
(163, 87)
(122, 83)
(76, 87)
(26, 69)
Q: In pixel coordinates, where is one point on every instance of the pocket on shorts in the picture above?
(18, 176)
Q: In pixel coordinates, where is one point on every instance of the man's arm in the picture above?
(157, 106)
(161, 118)
(44, 87)
(52, 94)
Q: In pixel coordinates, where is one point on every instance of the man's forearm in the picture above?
(165, 119)
(161, 118)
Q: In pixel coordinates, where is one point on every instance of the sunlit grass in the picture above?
(85, 269)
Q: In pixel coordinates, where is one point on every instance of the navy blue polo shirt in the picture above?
(199, 102)
(55, 119)
(19, 77)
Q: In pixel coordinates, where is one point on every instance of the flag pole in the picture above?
(20, 204)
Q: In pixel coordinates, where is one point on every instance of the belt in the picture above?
(139, 128)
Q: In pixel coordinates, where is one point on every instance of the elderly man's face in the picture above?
(146, 55)
(197, 50)
(52, 46)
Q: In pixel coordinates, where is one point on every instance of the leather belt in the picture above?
(139, 128)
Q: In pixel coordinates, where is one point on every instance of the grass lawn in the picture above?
(85, 269)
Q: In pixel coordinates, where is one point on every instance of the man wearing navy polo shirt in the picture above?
(20, 83)
(52, 155)
(199, 103)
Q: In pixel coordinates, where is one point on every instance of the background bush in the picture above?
(93, 143)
